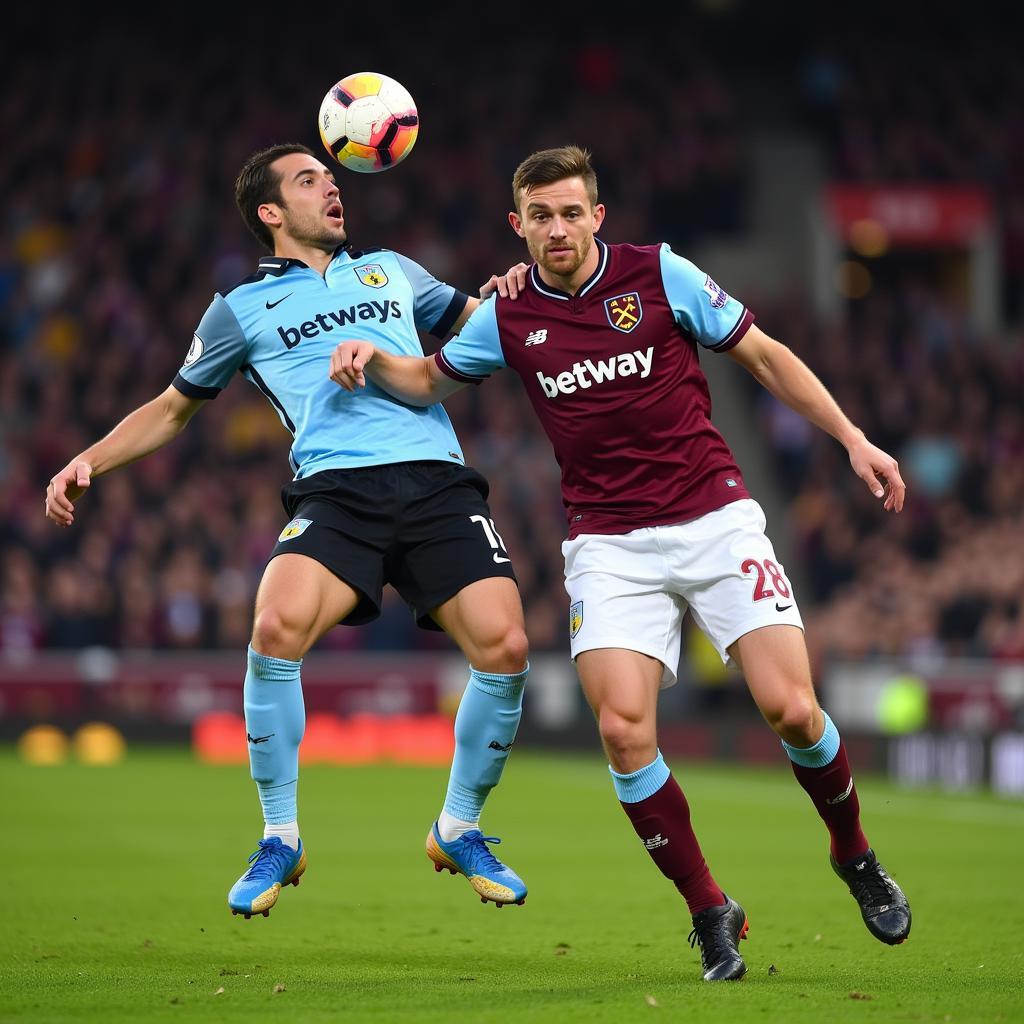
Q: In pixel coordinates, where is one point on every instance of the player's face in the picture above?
(558, 223)
(311, 212)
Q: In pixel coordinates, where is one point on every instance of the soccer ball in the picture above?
(368, 122)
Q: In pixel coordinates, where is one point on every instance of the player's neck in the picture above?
(579, 277)
(318, 259)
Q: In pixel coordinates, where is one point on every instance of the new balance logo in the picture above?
(259, 739)
(658, 840)
(495, 745)
(536, 337)
(586, 374)
(839, 799)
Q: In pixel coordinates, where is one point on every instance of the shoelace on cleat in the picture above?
(715, 942)
(270, 861)
(873, 889)
(479, 857)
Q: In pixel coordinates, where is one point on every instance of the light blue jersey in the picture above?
(279, 327)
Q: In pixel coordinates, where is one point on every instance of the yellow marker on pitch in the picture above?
(43, 745)
(97, 743)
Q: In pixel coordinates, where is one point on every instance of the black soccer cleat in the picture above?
(882, 904)
(718, 931)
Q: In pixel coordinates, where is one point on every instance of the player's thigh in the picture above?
(775, 664)
(730, 576)
(485, 619)
(622, 681)
(299, 595)
(619, 599)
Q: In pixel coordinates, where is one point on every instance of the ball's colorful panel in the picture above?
(363, 83)
(357, 157)
(402, 146)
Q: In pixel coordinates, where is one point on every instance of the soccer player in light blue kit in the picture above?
(381, 494)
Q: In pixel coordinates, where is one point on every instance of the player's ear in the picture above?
(270, 214)
(598, 216)
(517, 224)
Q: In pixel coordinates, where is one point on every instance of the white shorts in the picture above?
(632, 590)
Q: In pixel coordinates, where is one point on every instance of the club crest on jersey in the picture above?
(575, 618)
(293, 529)
(715, 292)
(372, 275)
(624, 311)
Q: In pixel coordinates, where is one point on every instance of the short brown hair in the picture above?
(550, 165)
(258, 184)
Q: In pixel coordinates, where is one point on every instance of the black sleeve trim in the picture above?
(444, 326)
(190, 390)
(450, 371)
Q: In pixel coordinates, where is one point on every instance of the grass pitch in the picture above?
(115, 909)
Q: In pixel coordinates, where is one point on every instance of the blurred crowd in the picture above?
(119, 226)
(946, 576)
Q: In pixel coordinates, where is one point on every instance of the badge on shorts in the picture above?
(293, 529)
(575, 618)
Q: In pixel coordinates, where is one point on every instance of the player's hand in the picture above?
(64, 489)
(880, 472)
(348, 361)
(509, 286)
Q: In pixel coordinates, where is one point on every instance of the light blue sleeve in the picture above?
(436, 305)
(702, 308)
(475, 352)
(218, 349)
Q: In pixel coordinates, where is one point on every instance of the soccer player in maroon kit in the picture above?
(605, 338)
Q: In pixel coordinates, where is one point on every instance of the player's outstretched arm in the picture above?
(149, 427)
(791, 381)
(414, 380)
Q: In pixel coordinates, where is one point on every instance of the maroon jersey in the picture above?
(614, 376)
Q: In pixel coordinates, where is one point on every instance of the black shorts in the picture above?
(423, 527)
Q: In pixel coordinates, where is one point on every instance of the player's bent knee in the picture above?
(624, 737)
(795, 722)
(278, 636)
(507, 654)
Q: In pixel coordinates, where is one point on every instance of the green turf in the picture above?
(116, 877)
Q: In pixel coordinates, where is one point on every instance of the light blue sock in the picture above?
(822, 753)
(485, 727)
(639, 785)
(275, 719)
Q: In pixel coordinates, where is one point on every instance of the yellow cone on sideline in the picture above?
(98, 743)
(43, 744)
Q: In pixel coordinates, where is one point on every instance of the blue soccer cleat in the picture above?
(469, 855)
(273, 865)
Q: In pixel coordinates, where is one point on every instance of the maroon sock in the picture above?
(662, 822)
(835, 798)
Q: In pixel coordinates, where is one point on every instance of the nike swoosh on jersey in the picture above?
(271, 305)
(499, 559)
